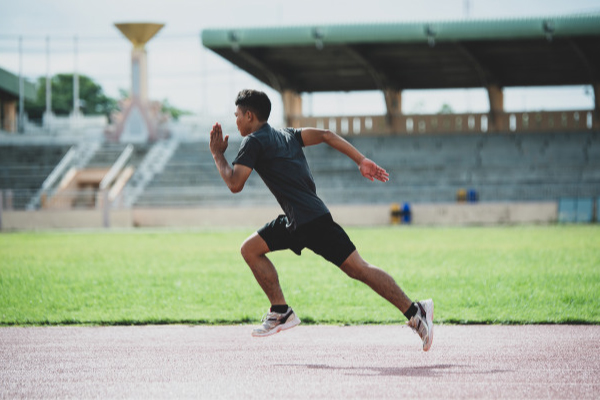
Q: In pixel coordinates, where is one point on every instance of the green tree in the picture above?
(93, 101)
(173, 111)
(446, 109)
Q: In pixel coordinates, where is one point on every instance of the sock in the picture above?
(279, 308)
(411, 312)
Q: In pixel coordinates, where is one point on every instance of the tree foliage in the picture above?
(93, 101)
(173, 111)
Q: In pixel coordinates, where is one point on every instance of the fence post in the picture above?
(1, 195)
(105, 209)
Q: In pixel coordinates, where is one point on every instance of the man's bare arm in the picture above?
(235, 177)
(368, 169)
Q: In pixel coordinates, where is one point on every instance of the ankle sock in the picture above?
(279, 308)
(411, 312)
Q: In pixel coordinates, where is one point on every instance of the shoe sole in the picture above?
(431, 331)
(288, 325)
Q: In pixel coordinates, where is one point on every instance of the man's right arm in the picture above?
(235, 177)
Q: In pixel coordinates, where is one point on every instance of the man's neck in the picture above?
(258, 126)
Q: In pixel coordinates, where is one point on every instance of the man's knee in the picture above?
(253, 247)
(246, 250)
(354, 266)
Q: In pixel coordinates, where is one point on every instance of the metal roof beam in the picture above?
(381, 80)
(592, 72)
(276, 81)
(485, 75)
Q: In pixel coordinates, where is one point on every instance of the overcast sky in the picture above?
(193, 78)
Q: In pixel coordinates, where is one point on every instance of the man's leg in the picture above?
(254, 250)
(377, 279)
(280, 316)
(420, 315)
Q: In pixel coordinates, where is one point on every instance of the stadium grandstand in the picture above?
(549, 157)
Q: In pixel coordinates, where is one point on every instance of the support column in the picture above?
(292, 108)
(496, 97)
(9, 113)
(596, 115)
(393, 104)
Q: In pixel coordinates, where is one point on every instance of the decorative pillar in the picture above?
(9, 112)
(292, 108)
(393, 104)
(596, 115)
(496, 97)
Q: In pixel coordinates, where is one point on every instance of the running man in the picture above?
(278, 157)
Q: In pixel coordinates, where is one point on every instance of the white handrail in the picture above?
(60, 169)
(116, 168)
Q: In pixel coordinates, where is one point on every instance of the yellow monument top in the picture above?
(139, 33)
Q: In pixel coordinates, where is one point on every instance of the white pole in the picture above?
(467, 9)
(0, 210)
(21, 118)
(75, 79)
(48, 87)
(105, 209)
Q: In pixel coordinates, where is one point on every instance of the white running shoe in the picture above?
(273, 323)
(422, 322)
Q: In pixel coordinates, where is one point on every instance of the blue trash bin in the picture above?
(472, 196)
(406, 213)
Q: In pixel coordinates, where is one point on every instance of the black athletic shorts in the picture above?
(322, 235)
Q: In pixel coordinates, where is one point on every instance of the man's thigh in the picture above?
(277, 237)
(254, 245)
(329, 240)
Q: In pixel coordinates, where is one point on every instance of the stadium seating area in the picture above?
(108, 154)
(423, 168)
(501, 167)
(23, 169)
(190, 178)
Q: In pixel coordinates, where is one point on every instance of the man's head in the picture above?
(256, 102)
(253, 110)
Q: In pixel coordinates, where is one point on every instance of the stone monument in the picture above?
(138, 118)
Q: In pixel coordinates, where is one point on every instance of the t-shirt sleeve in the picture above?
(248, 153)
(298, 135)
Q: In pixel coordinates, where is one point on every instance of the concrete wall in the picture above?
(485, 213)
(255, 217)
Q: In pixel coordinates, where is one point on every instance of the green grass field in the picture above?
(475, 275)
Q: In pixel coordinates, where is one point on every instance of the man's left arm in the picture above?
(368, 168)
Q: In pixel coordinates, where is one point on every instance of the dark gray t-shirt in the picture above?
(277, 156)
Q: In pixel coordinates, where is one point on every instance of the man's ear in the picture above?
(249, 115)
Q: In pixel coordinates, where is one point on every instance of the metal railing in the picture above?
(540, 121)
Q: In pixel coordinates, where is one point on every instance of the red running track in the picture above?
(307, 362)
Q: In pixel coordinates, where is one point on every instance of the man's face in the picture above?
(242, 120)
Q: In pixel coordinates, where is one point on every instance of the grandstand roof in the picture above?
(9, 86)
(558, 50)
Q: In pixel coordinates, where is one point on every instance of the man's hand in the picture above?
(372, 171)
(218, 144)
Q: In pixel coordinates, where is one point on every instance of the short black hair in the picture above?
(256, 101)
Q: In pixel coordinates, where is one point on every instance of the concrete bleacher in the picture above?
(103, 159)
(109, 152)
(23, 169)
(432, 168)
(190, 178)
(423, 168)
(25, 166)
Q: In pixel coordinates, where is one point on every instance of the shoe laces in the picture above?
(269, 316)
(418, 325)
